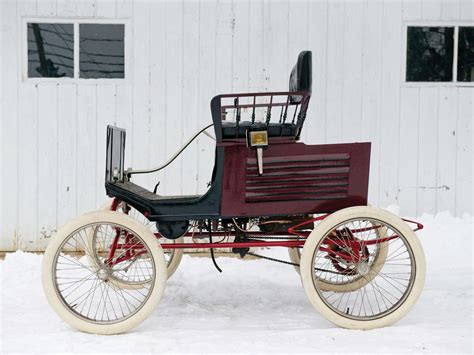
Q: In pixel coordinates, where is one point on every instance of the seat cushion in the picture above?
(229, 129)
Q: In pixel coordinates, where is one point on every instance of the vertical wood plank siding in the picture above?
(185, 52)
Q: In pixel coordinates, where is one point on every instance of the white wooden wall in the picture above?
(53, 134)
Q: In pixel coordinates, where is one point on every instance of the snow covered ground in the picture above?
(254, 306)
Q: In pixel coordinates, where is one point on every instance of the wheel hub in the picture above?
(363, 268)
(103, 274)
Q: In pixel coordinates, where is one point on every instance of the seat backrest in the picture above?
(301, 76)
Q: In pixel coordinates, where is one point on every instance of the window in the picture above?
(101, 51)
(75, 50)
(466, 54)
(430, 53)
(440, 54)
(50, 50)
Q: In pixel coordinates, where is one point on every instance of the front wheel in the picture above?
(338, 247)
(88, 295)
(172, 256)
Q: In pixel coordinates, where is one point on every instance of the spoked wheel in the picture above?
(340, 251)
(348, 279)
(172, 256)
(90, 297)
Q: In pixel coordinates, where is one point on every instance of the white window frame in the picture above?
(76, 22)
(456, 25)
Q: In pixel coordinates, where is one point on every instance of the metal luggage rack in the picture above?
(258, 109)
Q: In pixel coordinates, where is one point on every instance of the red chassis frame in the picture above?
(135, 249)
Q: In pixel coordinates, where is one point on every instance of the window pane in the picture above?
(101, 51)
(430, 54)
(466, 54)
(50, 50)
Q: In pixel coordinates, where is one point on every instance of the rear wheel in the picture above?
(344, 283)
(339, 248)
(89, 296)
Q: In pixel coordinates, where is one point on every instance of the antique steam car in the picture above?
(361, 267)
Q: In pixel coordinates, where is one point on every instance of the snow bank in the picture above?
(254, 306)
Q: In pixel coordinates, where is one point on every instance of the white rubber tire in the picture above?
(295, 258)
(172, 265)
(320, 232)
(157, 287)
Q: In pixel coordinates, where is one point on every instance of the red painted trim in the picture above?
(115, 204)
(283, 243)
(292, 230)
(126, 257)
(419, 226)
(113, 247)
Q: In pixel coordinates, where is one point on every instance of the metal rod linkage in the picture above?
(170, 160)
